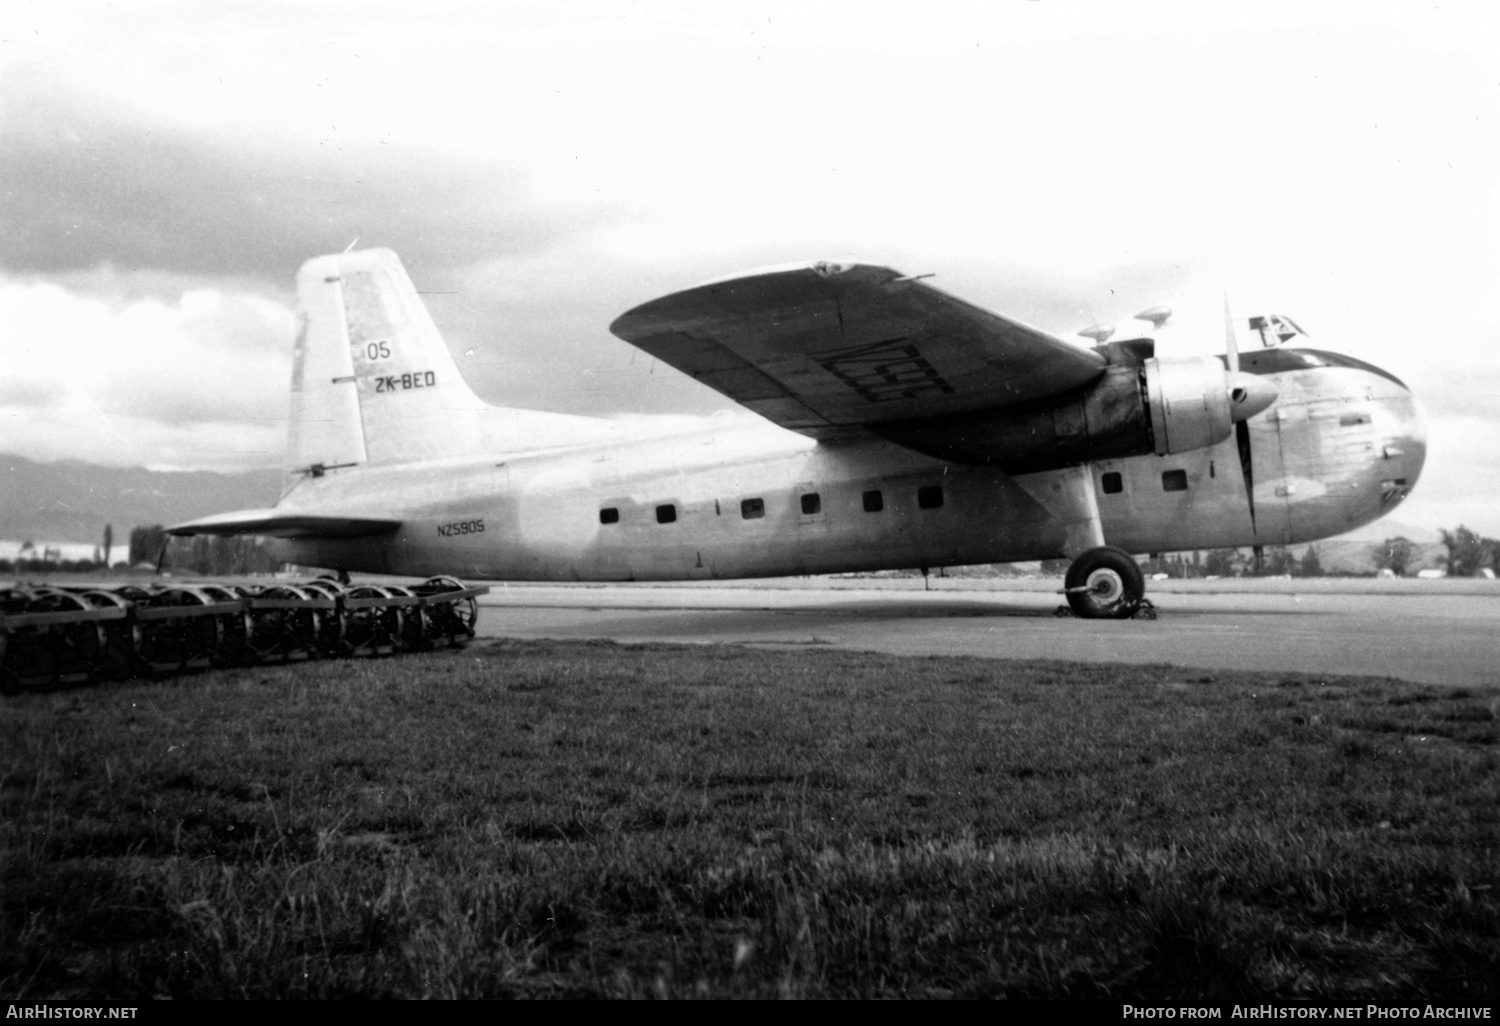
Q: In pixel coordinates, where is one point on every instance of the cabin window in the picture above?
(930, 496)
(811, 503)
(1112, 483)
(609, 515)
(753, 509)
(874, 501)
(1174, 481)
(666, 514)
(1350, 419)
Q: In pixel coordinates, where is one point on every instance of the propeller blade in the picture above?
(1242, 442)
(1242, 425)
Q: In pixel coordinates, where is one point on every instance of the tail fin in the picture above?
(372, 380)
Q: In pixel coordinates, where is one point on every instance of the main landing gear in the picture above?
(1105, 583)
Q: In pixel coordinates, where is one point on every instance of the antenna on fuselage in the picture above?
(1157, 316)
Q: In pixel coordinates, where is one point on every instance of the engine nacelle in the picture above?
(1137, 406)
(1189, 399)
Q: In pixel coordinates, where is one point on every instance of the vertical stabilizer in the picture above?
(372, 381)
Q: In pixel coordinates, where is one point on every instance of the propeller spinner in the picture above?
(1248, 395)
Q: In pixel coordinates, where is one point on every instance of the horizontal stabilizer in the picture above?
(286, 524)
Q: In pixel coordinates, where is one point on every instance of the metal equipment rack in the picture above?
(64, 635)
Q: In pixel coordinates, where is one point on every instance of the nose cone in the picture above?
(1249, 394)
(1418, 429)
(1406, 449)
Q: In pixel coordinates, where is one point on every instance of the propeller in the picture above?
(1241, 427)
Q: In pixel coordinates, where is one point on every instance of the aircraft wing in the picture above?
(276, 523)
(826, 348)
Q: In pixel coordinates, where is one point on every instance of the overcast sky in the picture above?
(165, 167)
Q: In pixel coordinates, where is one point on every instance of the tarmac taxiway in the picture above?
(1445, 632)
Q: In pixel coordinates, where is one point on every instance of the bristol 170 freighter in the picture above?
(900, 427)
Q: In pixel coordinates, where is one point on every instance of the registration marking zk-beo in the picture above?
(401, 382)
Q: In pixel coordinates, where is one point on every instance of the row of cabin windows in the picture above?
(1112, 483)
(928, 497)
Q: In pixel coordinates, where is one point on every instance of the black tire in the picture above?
(1105, 584)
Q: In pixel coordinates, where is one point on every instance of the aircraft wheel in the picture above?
(1105, 584)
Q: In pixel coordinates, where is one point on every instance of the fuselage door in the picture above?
(1272, 491)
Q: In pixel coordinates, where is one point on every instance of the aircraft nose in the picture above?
(1407, 445)
(1249, 394)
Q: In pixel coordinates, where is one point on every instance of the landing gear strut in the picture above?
(1105, 583)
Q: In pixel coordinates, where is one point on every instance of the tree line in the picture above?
(1469, 554)
(152, 546)
(201, 554)
(1274, 561)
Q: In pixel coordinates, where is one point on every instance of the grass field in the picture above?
(547, 819)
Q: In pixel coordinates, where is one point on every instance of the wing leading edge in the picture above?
(830, 347)
(283, 524)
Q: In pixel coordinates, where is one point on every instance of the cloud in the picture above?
(198, 382)
(540, 170)
(89, 182)
(1461, 480)
(1472, 391)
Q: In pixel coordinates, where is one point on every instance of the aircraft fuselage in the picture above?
(1343, 444)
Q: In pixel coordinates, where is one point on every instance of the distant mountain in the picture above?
(71, 501)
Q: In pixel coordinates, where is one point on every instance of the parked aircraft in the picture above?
(903, 427)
